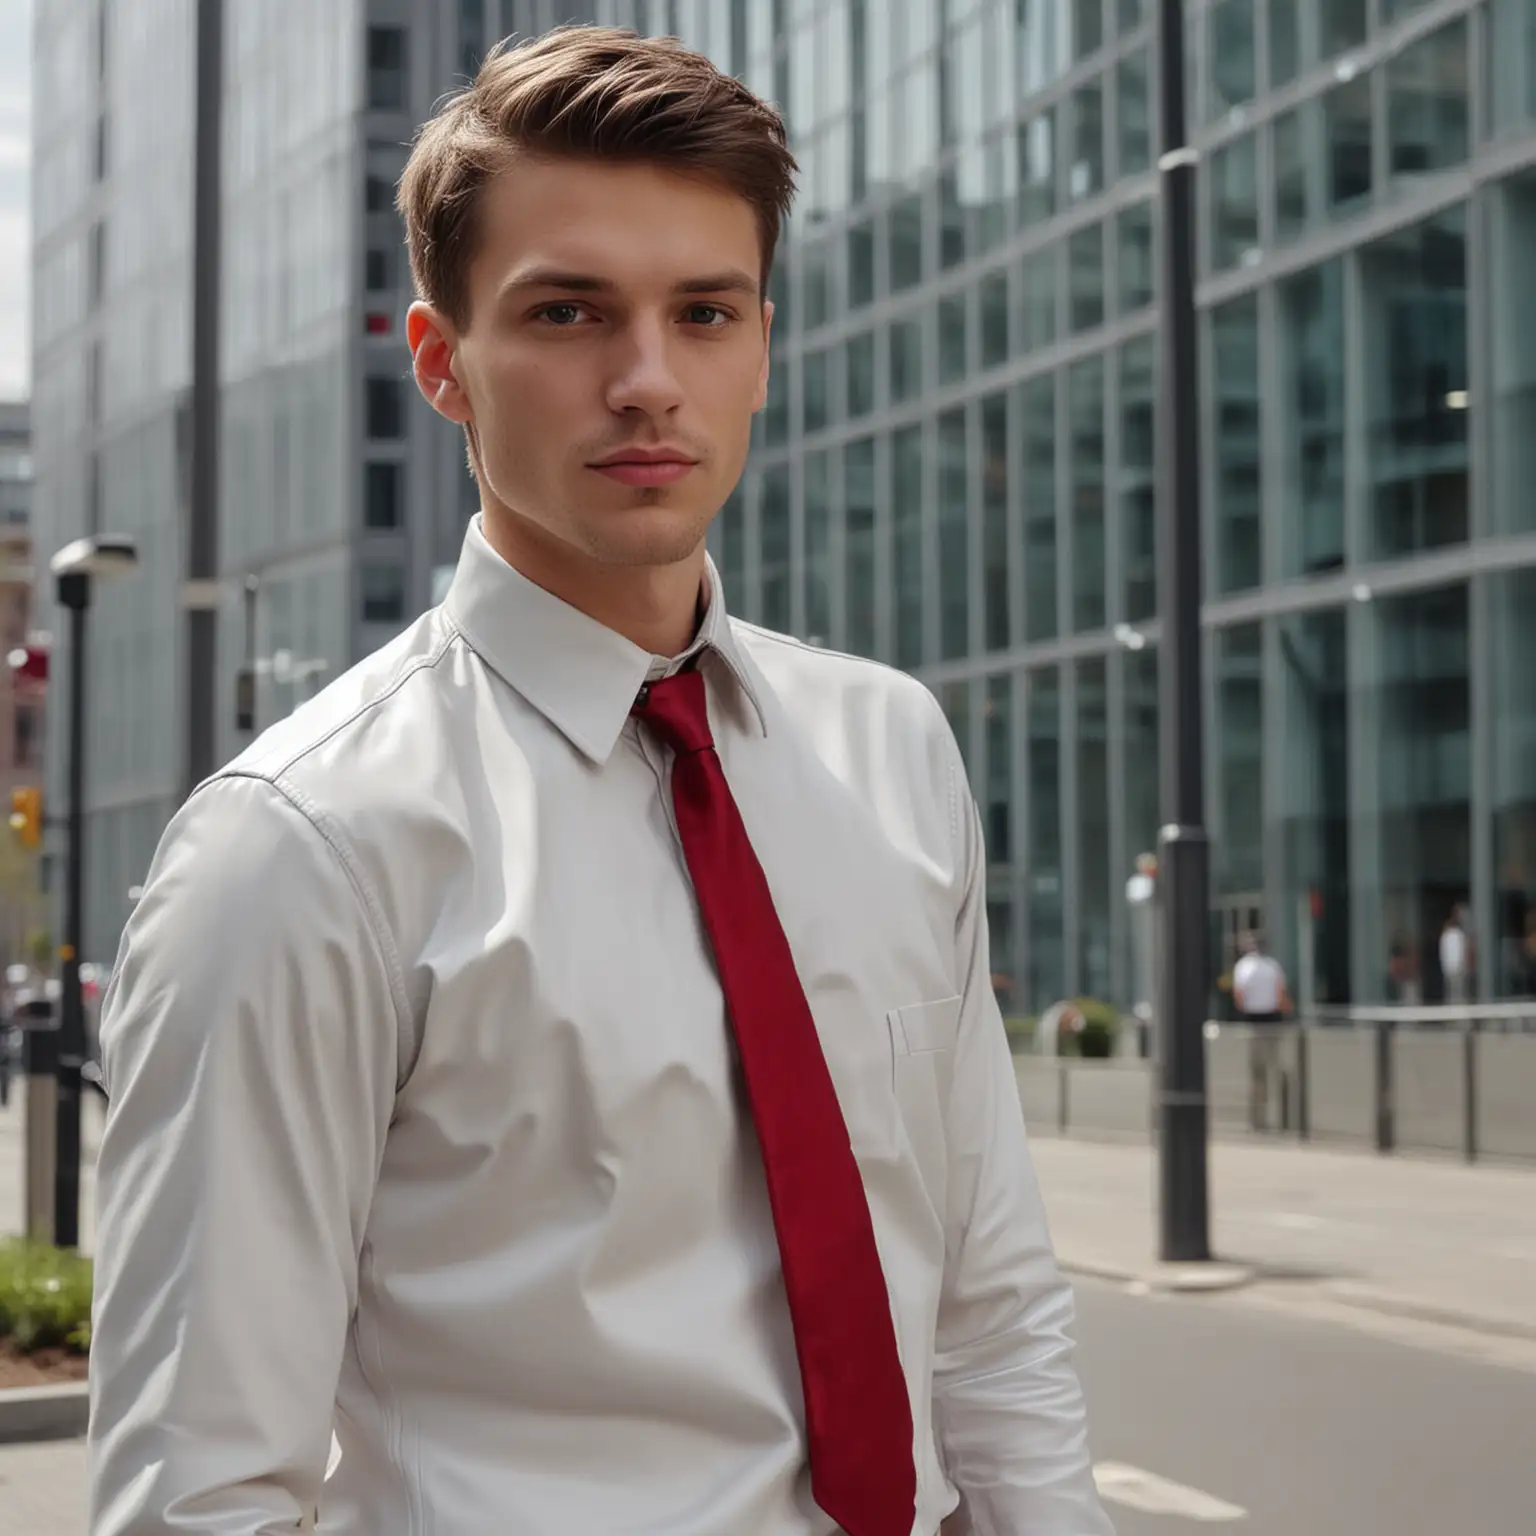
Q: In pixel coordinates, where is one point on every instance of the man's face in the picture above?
(615, 352)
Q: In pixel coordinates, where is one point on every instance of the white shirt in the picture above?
(425, 1129)
(1453, 952)
(1258, 982)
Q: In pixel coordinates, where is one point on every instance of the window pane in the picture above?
(1143, 809)
(1312, 409)
(861, 375)
(1135, 237)
(1235, 203)
(1284, 42)
(1086, 393)
(1085, 260)
(1037, 168)
(1428, 109)
(861, 265)
(907, 530)
(1313, 794)
(1038, 283)
(1343, 24)
(1347, 128)
(951, 220)
(818, 549)
(816, 284)
(952, 338)
(994, 319)
(1087, 141)
(1512, 66)
(1135, 116)
(1093, 877)
(383, 594)
(384, 409)
(1422, 786)
(1047, 968)
(1393, 10)
(1292, 170)
(773, 516)
(954, 537)
(1088, 28)
(1513, 606)
(818, 388)
(994, 512)
(1037, 410)
(1414, 286)
(859, 544)
(386, 68)
(1131, 13)
(906, 242)
(381, 496)
(1238, 853)
(1138, 480)
(997, 711)
(1513, 300)
(732, 535)
(906, 359)
(1233, 68)
(1236, 515)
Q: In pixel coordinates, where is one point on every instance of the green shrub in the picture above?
(1021, 1032)
(1101, 1025)
(45, 1296)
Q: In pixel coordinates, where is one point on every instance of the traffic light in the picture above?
(27, 815)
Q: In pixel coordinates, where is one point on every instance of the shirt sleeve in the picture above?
(1008, 1409)
(249, 1045)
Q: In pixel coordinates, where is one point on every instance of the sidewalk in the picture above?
(1437, 1242)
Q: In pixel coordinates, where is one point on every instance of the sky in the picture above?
(15, 195)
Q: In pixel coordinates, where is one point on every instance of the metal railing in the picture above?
(1456, 1079)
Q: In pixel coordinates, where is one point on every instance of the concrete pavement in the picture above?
(1437, 1242)
(1209, 1413)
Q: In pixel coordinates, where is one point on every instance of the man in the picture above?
(1263, 1002)
(1455, 956)
(559, 1060)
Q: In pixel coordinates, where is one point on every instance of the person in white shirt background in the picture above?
(1263, 1001)
(466, 1045)
(1456, 955)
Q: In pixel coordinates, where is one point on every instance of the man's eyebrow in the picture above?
(728, 280)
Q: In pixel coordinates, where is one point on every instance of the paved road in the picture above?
(1296, 1426)
(1255, 1420)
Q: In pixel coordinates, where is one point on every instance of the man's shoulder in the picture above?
(805, 676)
(352, 732)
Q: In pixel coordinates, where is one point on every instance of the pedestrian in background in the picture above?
(560, 1060)
(1263, 1001)
(1455, 956)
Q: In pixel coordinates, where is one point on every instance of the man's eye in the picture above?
(563, 315)
(709, 315)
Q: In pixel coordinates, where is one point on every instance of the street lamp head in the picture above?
(101, 555)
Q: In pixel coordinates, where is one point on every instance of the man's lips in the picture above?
(643, 469)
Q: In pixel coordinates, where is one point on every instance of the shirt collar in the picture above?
(579, 674)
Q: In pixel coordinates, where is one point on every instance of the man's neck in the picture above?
(655, 607)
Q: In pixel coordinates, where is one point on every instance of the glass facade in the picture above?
(979, 187)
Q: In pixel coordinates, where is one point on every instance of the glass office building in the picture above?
(955, 473)
(955, 470)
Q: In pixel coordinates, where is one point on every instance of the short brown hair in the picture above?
(580, 91)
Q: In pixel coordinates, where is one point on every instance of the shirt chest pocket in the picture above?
(922, 1056)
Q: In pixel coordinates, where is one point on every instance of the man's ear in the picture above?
(432, 341)
(761, 398)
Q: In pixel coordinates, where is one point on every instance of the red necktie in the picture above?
(857, 1415)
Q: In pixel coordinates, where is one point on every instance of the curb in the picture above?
(44, 1413)
(1368, 1298)
(1186, 1279)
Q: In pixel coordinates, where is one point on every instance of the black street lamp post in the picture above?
(76, 568)
(1183, 851)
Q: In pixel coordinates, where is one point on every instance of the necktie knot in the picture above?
(675, 709)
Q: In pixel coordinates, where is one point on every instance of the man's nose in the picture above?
(644, 375)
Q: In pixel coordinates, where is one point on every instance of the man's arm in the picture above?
(1007, 1405)
(249, 1041)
